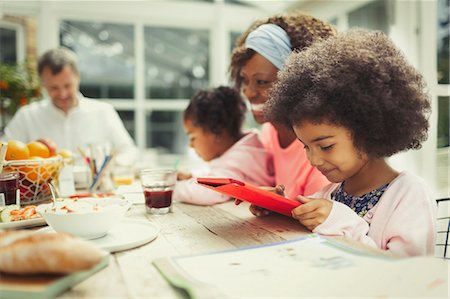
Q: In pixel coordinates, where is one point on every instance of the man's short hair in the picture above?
(56, 59)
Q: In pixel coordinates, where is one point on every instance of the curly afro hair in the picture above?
(358, 80)
(301, 28)
(217, 110)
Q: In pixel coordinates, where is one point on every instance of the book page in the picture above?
(314, 267)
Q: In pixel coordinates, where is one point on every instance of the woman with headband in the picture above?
(257, 57)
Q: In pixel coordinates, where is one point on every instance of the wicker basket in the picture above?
(34, 176)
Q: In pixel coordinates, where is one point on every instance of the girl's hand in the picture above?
(312, 212)
(181, 175)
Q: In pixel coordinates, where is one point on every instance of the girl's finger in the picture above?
(303, 199)
(279, 189)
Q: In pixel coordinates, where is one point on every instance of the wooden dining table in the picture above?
(186, 230)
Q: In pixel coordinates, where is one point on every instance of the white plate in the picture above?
(133, 193)
(23, 223)
(126, 235)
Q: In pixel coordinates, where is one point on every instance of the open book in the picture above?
(307, 267)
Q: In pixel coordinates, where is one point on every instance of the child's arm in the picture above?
(189, 191)
(403, 221)
(183, 175)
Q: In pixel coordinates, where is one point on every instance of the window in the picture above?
(371, 16)
(165, 131)
(233, 38)
(8, 45)
(443, 41)
(105, 57)
(443, 72)
(128, 121)
(177, 62)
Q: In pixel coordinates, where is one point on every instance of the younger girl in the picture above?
(213, 122)
(358, 104)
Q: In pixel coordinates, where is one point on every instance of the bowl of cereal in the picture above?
(88, 218)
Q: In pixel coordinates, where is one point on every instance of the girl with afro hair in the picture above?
(354, 100)
(213, 122)
(257, 57)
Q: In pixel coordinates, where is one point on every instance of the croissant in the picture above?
(23, 252)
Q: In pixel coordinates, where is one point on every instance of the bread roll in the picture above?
(23, 252)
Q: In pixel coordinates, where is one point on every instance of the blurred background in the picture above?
(147, 58)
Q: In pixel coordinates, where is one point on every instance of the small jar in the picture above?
(9, 186)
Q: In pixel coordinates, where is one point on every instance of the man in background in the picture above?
(66, 116)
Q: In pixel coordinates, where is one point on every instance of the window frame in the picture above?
(218, 18)
(20, 38)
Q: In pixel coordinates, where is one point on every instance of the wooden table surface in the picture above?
(187, 230)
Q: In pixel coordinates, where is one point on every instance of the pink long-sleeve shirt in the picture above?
(246, 160)
(291, 165)
(403, 222)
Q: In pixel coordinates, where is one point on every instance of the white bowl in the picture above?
(88, 218)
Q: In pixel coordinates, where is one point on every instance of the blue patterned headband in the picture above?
(272, 42)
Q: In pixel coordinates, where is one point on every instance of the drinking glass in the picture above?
(158, 185)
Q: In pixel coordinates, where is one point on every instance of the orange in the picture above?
(17, 150)
(38, 149)
(51, 145)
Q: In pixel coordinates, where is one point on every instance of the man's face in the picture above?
(62, 87)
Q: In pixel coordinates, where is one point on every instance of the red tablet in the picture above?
(250, 193)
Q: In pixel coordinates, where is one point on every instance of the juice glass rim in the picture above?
(160, 171)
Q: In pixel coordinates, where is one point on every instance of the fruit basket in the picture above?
(34, 176)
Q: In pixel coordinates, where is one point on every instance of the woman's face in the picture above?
(258, 75)
(330, 149)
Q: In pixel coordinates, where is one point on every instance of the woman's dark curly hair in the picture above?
(358, 80)
(301, 28)
(217, 110)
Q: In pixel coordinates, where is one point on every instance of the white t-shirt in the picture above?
(92, 122)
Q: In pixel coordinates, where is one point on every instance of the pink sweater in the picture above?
(402, 222)
(246, 160)
(292, 168)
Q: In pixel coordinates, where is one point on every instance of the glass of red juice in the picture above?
(158, 185)
(9, 185)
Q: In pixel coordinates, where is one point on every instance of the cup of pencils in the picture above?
(99, 160)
